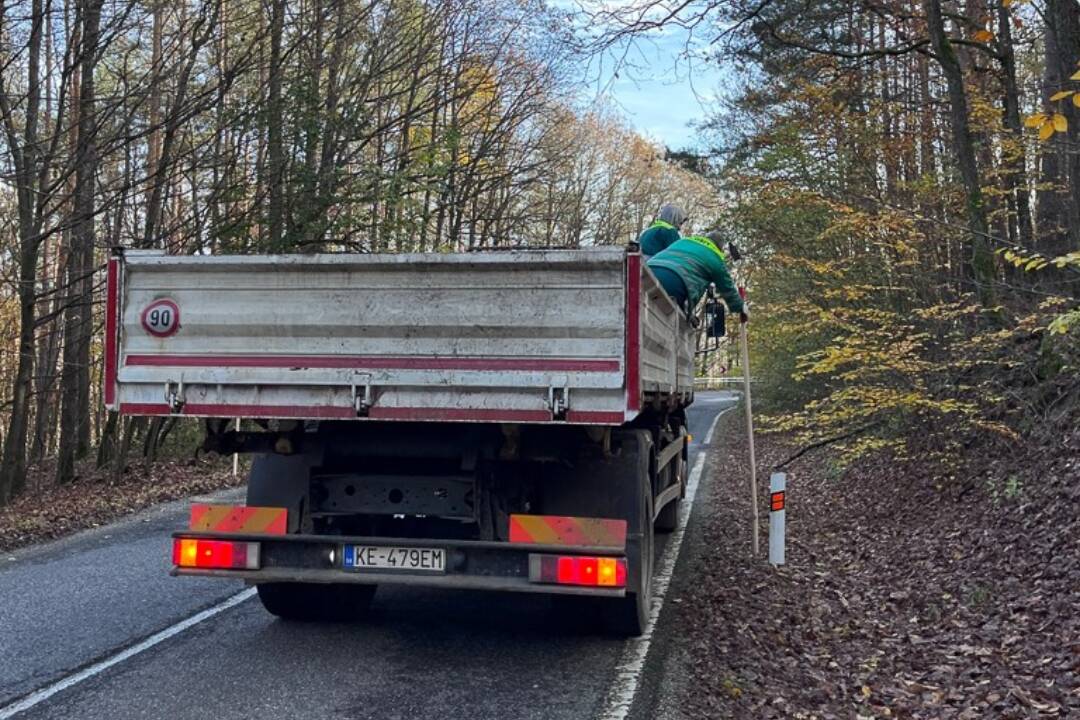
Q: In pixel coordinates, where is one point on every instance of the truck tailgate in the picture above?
(518, 336)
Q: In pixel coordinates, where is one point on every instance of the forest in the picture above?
(904, 178)
(228, 126)
(902, 181)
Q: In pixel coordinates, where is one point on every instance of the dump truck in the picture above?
(499, 420)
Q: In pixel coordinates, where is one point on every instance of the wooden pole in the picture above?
(745, 350)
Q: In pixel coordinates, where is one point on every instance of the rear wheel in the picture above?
(282, 481)
(312, 603)
(629, 615)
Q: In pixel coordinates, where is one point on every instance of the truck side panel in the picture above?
(667, 368)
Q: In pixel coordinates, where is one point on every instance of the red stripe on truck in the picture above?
(377, 362)
(112, 297)
(633, 332)
(329, 412)
(483, 414)
(321, 412)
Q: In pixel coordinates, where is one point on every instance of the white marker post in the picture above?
(236, 456)
(777, 504)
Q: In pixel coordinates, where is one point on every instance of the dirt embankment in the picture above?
(45, 511)
(904, 596)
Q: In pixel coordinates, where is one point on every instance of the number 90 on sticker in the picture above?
(161, 318)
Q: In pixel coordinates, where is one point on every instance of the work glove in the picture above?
(744, 316)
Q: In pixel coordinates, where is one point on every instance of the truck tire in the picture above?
(309, 602)
(279, 481)
(630, 614)
(282, 481)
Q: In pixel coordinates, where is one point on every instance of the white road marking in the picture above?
(632, 662)
(43, 694)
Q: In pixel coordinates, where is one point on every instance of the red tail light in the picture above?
(215, 554)
(578, 570)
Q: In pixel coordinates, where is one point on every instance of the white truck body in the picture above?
(565, 336)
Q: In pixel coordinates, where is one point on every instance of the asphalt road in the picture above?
(423, 653)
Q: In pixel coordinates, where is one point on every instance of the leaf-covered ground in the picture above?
(46, 511)
(904, 596)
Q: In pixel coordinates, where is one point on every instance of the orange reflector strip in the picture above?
(215, 554)
(776, 501)
(238, 519)
(560, 530)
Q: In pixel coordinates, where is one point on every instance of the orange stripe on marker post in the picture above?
(238, 519)
(776, 501)
(562, 530)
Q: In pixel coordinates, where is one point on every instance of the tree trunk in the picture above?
(275, 121)
(24, 154)
(1016, 178)
(1059, 202)
(78, 319)
(980, 259)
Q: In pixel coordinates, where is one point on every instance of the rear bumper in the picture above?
(471, 564)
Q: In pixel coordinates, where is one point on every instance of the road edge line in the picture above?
(632, 662)
(42, 694)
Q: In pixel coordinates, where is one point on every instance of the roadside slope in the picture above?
(905, 595)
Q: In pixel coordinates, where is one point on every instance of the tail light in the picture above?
(215, 554)
(578, 570)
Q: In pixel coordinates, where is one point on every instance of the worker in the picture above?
(665, 231)
(686, 268)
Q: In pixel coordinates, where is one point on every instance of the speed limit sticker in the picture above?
(161, 318)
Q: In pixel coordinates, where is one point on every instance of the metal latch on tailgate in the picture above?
(174, 395)
(558, 402)
(362, 394)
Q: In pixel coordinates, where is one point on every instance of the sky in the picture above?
(658, 90)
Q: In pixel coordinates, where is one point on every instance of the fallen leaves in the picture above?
(899, 599)
(94, 498)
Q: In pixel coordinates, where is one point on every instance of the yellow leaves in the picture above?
(983, 36)
(1075, 75)
(1030, 261)
(1061, 95)
(1064, 323)
(1061, 261)
(1047, 124)
(1036, 120)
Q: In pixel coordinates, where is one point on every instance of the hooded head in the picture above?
(672, 214)
(719, 240)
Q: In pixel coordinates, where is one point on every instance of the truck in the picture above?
(506, 420)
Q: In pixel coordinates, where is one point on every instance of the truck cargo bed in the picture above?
(571, 336)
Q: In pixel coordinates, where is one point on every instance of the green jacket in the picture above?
(657, 237)
(699, 262)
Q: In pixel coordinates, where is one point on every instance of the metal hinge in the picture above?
(174, 395)
(362, 393)
(558, 402)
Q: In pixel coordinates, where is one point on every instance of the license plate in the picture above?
(368, 557)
